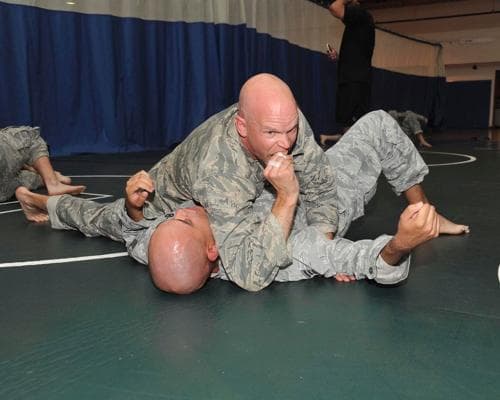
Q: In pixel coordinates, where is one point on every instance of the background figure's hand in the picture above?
(418, 223)
(280, 173)
(138, 188)
(331, 52)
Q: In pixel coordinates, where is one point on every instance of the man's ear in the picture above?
(241, 125)
(212, 252)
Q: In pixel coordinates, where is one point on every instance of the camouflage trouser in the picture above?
(88, 217)
(410, 122)
(19, 146)
(374, 145)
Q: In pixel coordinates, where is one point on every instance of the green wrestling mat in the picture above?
(98, 329)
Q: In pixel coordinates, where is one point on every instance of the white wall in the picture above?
(467, 40)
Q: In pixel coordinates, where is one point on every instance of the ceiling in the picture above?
(380, 4)
(468, 30)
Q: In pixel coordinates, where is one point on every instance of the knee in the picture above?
(380, 115)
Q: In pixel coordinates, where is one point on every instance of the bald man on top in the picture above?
(223, 166)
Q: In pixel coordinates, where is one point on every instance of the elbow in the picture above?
(337, 10)
(254, 281)
(253, 286)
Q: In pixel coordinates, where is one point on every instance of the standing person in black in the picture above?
(354, 69)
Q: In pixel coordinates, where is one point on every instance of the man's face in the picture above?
(271, 134)
(194, 222)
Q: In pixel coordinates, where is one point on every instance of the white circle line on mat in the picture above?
(468, 158)
(61, 260)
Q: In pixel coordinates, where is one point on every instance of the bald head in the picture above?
(268, 117)
(265, 94)
(178, 262)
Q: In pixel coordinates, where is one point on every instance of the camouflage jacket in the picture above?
(211, 168)
(313, 254)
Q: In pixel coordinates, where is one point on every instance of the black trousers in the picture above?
(353, 101)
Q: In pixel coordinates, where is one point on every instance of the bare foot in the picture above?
(450, 228)
(62, 178)
(423, 142)
(27, 200)
(62, 188)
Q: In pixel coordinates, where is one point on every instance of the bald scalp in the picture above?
(265, 94)
(177, 263)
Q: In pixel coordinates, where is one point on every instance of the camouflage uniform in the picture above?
(374, 145)
(212, 168)
(109, 220)
(411, 123)
(19, 146)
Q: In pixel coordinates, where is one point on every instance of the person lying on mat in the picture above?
(182, 264)
(24, 161)
(412, 124)
(191, 250)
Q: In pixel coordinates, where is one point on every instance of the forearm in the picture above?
(253, 251)
(337, 8)
(313, 255)
(394, 251)
(284, 211)
(415, 194)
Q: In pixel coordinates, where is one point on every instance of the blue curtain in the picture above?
(468, 104)
(423, 95)
(98, 83)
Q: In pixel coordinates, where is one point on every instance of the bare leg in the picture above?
(422, 141)
(325, 138)
(34, 205)
(416, 193)
(50, 178)
(62, 178)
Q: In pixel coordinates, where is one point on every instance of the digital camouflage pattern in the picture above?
(211, 168)
(109, 220)
(374, 145)
(410, 122)
(19, 146)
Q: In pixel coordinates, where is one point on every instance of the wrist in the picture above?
(398, 245)
(393, 252)
(287, 200)
(133, 212)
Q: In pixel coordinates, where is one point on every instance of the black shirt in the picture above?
(356, 49)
